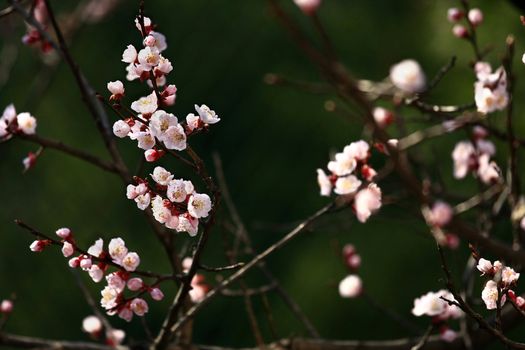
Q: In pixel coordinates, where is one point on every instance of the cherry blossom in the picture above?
(367, 201)
(207, 115)
(490, 295)
(6, 306)
(350, 287)
(408, 76)
(92, 325)
(475, 16)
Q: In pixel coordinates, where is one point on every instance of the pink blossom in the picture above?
(96, 273)
(367, 201)
(126, 314)
(67, 249)
(454, 14)
(135, 284)
(156, 294)
(475, 16)
(408, 76)
(139, 306)
(490, 295)
(448, 335)
(383, 117)
(63, 233)
(37, 246)
(460, 31)
(351, 286)
(441, 214)
(131, 261)
(97, 248)
(6, 306)
(92, 325)
(115, 337)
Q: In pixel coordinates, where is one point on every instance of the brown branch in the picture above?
(243, 235)
(108, 261)
(19, 341)
(62, 147)
(254, 262)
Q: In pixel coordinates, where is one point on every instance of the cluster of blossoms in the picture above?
(490, 89)
(12, 122)
(199, 287)
(408, 76)
(97, 261)
(436, 305)
(351, 286)
(154, 128)
(474, 156)
(455, 15)
(345, 168)
(93, 326)
(502, 278)
(24, 123)
(33, 36)
(174, 201)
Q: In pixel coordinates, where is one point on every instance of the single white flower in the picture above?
(347, 185)
(26, 123)
(145, 105)
(351, 286)
(161, 176)
(199, 205)
(408, 76)
(207, 115)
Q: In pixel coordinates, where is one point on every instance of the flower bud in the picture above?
(6, 306)
(460, 31)
(475, 16)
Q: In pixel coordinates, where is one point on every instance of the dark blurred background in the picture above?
(271, 140)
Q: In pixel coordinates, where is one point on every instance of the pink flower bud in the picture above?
(116, 88)
(452, 241)
(460, 31)
(86, 263)
(351, 286)
(308, 6)
(441, 214)
(479, 132)
(135, 284)
(92, 325)
(149, 40)
(68, 249)
(156, 294)
(63, 233)
(37, 246)
(126, 314)
(348, 250)
(29, 161)
(520, 302)
(454, 14)
(354, 261)
(6, 306)
(115, 337)
(74, 262)
(448, 335)
(475, 16)
(152, 155)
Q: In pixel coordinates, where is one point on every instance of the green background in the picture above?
(271, 140)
